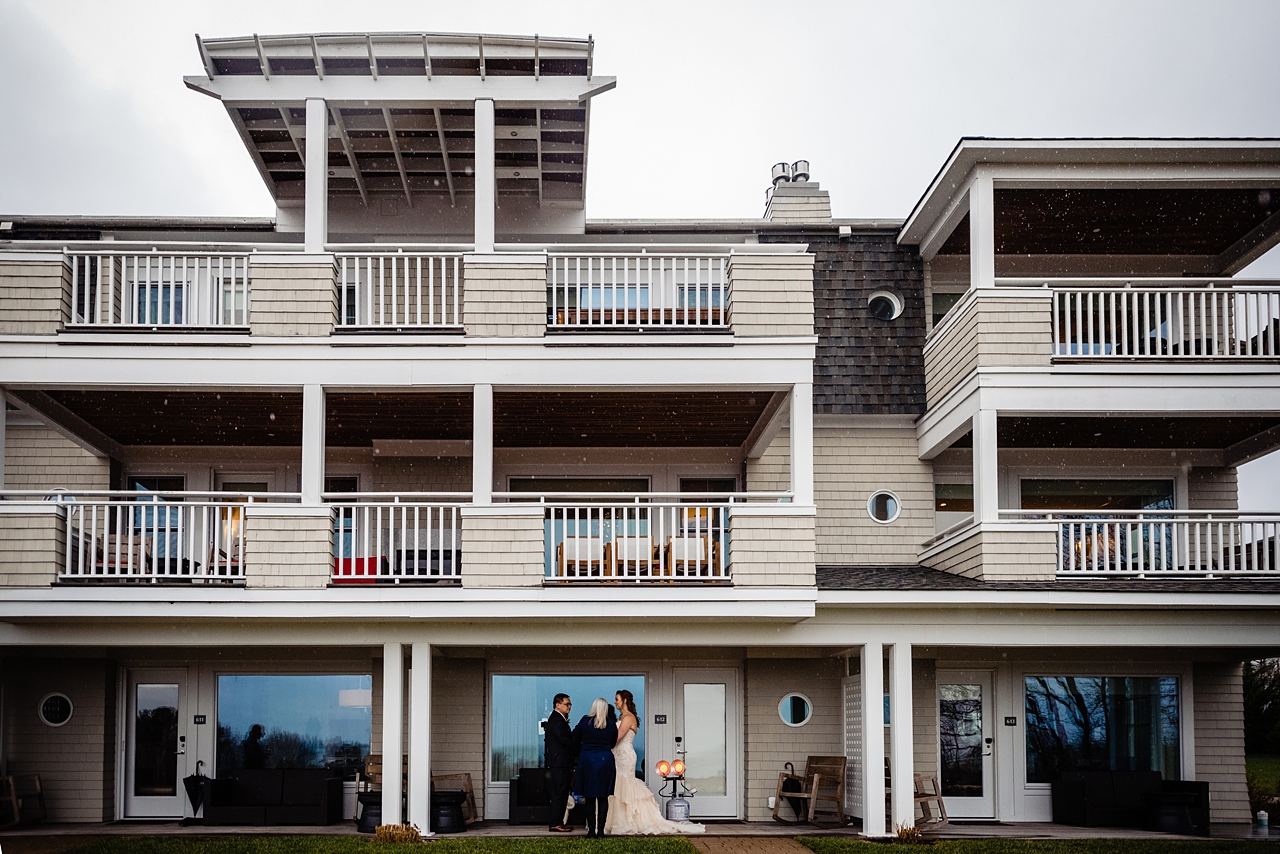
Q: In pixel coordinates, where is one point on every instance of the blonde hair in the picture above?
(600, 711)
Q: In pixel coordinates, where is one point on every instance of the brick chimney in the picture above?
(794, 198)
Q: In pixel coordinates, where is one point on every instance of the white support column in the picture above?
(392, 724)
(312, 445)
(316, 211)
(901, 737)
(420, 738)
(802, 443)
(986, 472)
(4, 419)
(486, 176)
(873, 740)
(982, 235)
(482, 445)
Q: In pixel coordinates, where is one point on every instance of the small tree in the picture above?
(1262, 707)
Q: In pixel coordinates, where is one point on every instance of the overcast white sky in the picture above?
(874, 94)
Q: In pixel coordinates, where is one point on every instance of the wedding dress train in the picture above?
(633, 810)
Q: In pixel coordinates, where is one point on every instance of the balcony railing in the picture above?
(396, 538)
(156, 537)
(1163, 543)
(1163, 319)
(159, 289)
(632, 291)
(654, 537)
(398, 290)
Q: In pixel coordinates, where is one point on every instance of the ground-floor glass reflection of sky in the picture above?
(310, 720)
(522, 703)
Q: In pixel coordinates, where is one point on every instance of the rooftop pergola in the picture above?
(411, 113)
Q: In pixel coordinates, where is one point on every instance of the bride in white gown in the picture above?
(633, 810)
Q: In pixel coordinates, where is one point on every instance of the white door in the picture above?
(156, 739)
(708, 721)
(966, 743)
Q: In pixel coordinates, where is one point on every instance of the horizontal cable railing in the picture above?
(188, 536)
(399, 289)
(642, 539)
(1161, 543)
(1178, 319)
(159, 289)
(627, 291)
(407, 539)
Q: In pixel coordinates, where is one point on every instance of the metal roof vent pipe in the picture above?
(782, 173)
(799, 171)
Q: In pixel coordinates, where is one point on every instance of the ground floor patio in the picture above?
(995, 725)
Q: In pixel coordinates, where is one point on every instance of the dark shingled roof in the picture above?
(923, 578)
(864, 366)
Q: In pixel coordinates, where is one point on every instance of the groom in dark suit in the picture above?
(561, 755)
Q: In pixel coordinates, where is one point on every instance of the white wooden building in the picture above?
(384, 472)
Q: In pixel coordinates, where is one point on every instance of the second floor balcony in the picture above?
(272, 540)
(275, 290)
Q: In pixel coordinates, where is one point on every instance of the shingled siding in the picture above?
(75, 761)
(35, 294)
(292, 550)
(1219, 736)
(33, 546)
(864, 366)
(998, 552)
(293, 297)
(39, 457)
(504, 296)
(1212, 489)
(422, 474)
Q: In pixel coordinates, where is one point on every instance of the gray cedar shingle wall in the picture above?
(770, 742)
(70, 758)
(1219, 737)
(864, 366)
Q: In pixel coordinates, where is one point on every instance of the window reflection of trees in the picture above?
(155, 769)
(1101, 723)
(960, 740)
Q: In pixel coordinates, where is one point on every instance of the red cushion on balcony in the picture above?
(358, 570)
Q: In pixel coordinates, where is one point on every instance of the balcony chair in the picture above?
(928, 791)
(635, 557)
(580, 557)
(458, 783)
(134, 554)
(821, 783)
(690, 557)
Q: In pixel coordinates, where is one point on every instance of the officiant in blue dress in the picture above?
(597, 734)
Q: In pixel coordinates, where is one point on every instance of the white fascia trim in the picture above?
(35, 257)
(292, 258)
(1049, 599)
(772, 510)
(538, 259)
(667, 603)
(288, 510)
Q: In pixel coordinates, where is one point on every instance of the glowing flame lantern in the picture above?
(664, 767)
(678, 768)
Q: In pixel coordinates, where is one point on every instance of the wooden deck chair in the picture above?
(576, 557)
(928, 791)
(687, 556)
(134, 554)
(10, 814)
(458, 783)
(633, 556)
(822, 786)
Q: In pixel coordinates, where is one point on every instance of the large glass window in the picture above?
(1101, 723)
(522, 703)
(294, 721)
(1086, 495)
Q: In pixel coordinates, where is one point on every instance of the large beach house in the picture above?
(952, 496)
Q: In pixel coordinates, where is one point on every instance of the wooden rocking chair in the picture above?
(822, 782)
(458, 783)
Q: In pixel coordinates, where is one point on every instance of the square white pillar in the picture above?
(312, 445)
(802, 443)
(420, 738)
(316, 209)
(873, 740)
(982, 235)
(392, 724)
(482, 445)
(485, 177)
(901, 738)
(986, 471)
(4, 418)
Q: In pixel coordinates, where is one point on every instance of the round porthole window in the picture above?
(55, 709)
(884, 506)
(795, 710)
(885, 305)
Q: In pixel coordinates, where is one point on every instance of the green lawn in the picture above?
(365, 845)
(1266, 769)
(834, 845)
